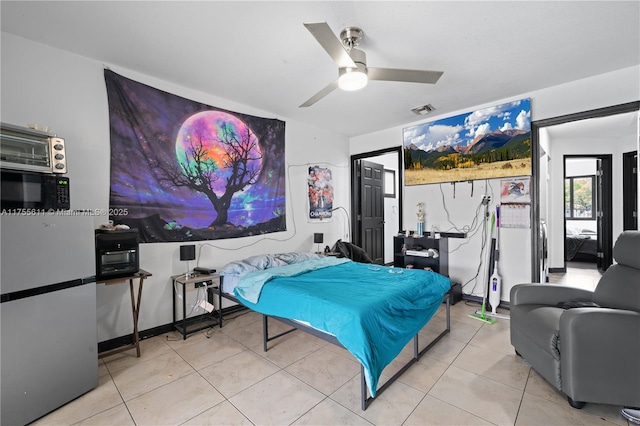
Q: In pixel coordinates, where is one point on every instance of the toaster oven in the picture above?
(31, 150)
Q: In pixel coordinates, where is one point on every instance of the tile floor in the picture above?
(471, 377)
(578, 274)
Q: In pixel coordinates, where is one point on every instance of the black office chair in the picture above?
(351, 251)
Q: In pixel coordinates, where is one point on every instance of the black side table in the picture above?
(194, 280)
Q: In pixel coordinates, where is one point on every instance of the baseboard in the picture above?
(471, 298)
(478, 300)
(557, 270)
(108, 345)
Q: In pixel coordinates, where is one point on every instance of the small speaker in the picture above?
(318, 238)
(188, 252)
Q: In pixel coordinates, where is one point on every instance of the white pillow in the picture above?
(572, 231)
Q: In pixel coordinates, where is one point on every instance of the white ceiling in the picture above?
(260, 54)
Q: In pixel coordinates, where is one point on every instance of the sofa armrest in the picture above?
(546, 294)
(599, 349)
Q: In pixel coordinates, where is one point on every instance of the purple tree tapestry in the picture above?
(185, 171)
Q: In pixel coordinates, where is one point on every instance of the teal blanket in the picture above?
(250, 286)
(373, 311)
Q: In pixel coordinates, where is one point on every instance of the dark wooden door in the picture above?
(371, 209)
(604, 211)
(630, 190)
(599, 213)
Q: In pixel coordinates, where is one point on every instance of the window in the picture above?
(389, 183)
(579, 199)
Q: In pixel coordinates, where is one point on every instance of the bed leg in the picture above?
(363, 388)
(220, 300)
(448, 307)
(265, 333)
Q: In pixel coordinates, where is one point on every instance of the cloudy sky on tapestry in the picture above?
(186, 171)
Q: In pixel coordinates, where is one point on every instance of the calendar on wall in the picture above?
(514, 210)
(515, 215)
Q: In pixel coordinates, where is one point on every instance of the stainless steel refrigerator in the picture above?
(48, 313)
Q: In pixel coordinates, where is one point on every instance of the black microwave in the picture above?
(30, 191)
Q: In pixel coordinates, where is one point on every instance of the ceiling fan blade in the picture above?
(411, 76)
(321, 94)
(328, 40)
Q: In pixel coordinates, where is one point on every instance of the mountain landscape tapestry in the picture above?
(186, 171)
(490, 143)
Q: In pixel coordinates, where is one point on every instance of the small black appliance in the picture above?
(31, 192)
(117, 253)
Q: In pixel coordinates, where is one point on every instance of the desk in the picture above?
(141, 275)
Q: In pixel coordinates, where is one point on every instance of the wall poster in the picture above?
(489, 143)
(186, 171)
(320, 185)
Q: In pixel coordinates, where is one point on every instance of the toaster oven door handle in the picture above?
(119, 251)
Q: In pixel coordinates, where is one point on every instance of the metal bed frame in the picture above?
(365, 399)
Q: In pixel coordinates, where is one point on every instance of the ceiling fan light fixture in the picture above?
(353, 78)
(353, 73)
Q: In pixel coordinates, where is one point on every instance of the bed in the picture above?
(581, 245)
(372, 311)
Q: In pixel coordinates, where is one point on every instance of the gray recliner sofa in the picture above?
(591, 354)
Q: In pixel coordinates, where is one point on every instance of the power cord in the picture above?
(210, 331)
(478, 224)
(348, 224)
(293, 217)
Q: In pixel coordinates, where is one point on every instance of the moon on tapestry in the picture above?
(203, 147)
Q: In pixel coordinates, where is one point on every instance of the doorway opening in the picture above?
(539, 169)
(376, 208)
(588, 211)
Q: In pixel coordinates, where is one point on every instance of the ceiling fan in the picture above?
(353, 73)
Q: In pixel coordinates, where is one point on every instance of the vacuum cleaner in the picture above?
(495, 282)
(480, 315)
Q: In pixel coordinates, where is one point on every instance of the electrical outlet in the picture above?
(204, 283)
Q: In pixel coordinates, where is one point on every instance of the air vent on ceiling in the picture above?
(424, 109)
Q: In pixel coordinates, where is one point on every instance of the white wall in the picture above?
(544, 178)
(609, 89)
(67, 93)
